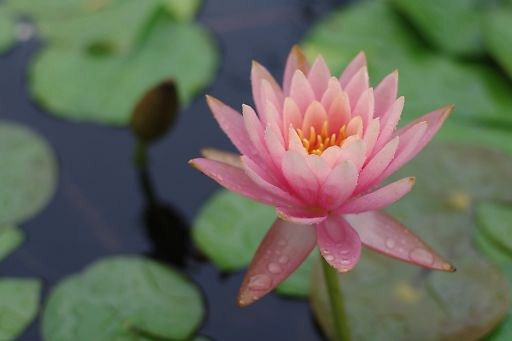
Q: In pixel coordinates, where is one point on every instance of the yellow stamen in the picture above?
(316, 143)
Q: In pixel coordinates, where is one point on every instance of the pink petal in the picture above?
(380, 198)
(339, 112)
(365, 107)
(333, 90)
(296, 61)
(355, 65)
(389, 121)
(377, 165)
(385, 93)
(232, 124)
(268, 182)
(319, 76)
(294, 142)
(355, 127)
(291, 114)
(339, 185)
(275, 145)
(357, 85)
(231, 159)
(283, 249)
(256, 136)
(371, 135)
(273, 117)
(318, 166)
(408, 144)
(259, 74)
(300, 177)
(300, 215)
(384, 234)
(301, 91)
(434, 121)
(315, 116)
(235, 180)
(338, 242)
(354, 149)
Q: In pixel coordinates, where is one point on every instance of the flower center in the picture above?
(317, 142)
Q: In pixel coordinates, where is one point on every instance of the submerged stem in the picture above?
(339, 317)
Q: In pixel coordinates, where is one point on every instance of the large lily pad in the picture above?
(19, 301)
(7, 30)
(427, 79)
(123, 298)
(453, 26)
(498, 37)
(389, 299)
(28, 173)
(10, 238)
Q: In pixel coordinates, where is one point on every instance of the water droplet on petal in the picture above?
(283, 259)
(329, 258)
(421, 256)
(390, 243)
(274, 268)
(260, 282)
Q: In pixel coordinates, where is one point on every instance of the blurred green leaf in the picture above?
(7, 30)
(453, 26)
(123, 298)
(19, 302)
(427, 80)
(10, 238)
(81, 85)
(28, 173)
(389, 300)
(498, 37)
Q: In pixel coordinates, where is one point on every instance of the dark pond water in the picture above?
(99, 208)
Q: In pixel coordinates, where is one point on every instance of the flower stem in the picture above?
(140, 155)
(341, 331)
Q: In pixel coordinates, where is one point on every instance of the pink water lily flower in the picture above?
(317, 149)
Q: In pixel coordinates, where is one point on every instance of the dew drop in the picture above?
(283, 260)
(274, 268)
(329, 258)
(421, 256)
(390, 243)
(282, 242)
(260, 282)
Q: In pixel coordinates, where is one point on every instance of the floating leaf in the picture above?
(498, 37)
(389, 300)
(453, 26)
(7, 30)
(81, 85)
(10, 238)
(427, 80)
(28, 173)
(19, 302)
(123, 298)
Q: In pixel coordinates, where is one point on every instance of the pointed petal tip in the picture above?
(412, 180)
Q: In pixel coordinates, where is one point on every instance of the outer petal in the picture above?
(231, 159)
(384, 234)
(339, 185)
(235, 180)
(319, 76)
(357, 85)
(389, 121)
(385, 93)
(300, 177)
(380, 198)
(338, 242)
(259, 74)
(283, 249)
(232, 124)
(296, 61)
(355, 65)
(299, 215)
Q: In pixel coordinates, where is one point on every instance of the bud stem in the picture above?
(140, 155)
(341, 330)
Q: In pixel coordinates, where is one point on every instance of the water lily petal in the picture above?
(300, 177)
(355, 65)
(365, 107)
(231, 159)
(379, 198)
(388, 123)
(339, 243)
(357, 85)
(382, 233)
(319, 76)
(285, 246)
(259, 74)
(339, 112)
(385, 93)
(315, 116)
(333, 90)
(371, 135)
(291, 114)
(339, 185)
(299, 215)
(296, 61)
(301, 91)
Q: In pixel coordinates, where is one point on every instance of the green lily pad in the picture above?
(389, 300)
(498, 37)
(28, 173)
(123, 298)
(19, 302)
(453, 26)
(84, 86)
(10, 238)
(7, 30)
(428, 80)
